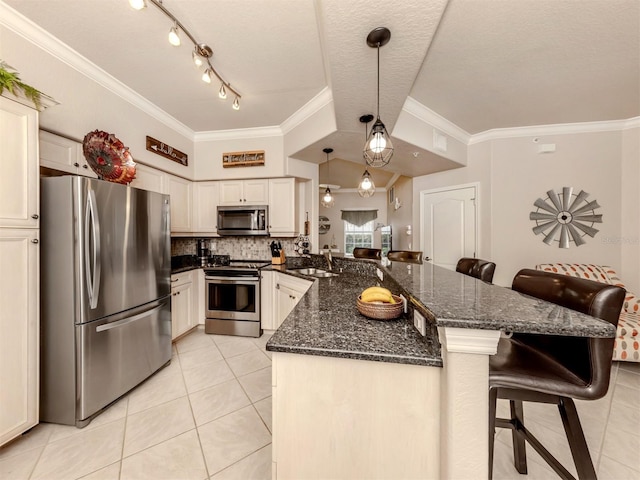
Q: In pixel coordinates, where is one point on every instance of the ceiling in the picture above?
(480, 64)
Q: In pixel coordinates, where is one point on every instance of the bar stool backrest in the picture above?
(373, 253)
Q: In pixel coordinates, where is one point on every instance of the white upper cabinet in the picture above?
(179, 190)
(19, 159)
(282, 207)
(150, 179)
(244, 192)
(205, 205)
(60, 153)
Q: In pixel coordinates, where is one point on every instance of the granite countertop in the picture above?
(327, 322)
(456, 300)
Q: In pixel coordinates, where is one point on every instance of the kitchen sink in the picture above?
(314, 272)
(309, 271)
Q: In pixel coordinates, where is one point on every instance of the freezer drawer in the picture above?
(117, 353)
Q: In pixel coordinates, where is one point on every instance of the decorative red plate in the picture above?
(108, 157)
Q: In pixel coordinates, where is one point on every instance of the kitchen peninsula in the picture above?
(360, 398)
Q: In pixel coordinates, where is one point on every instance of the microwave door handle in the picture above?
(92, 249)
(254, 220)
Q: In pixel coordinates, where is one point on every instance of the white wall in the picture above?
(85, 105)
(630, 233)
(512, 175)
(351, 201)
(209, 154)
(401, 218)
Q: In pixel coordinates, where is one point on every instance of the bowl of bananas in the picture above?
(379, 303)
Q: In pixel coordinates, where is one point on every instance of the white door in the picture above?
(449, 225)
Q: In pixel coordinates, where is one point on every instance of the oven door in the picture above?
(233, 298)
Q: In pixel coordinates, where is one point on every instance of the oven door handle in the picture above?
(235, 279)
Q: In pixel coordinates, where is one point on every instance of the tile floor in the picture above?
(208, 416)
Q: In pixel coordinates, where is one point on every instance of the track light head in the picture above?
(174, 38)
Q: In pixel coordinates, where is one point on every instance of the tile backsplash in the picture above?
(249, 248)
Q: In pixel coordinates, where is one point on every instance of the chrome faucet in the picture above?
(329, 258)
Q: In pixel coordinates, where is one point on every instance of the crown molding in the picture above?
(321, 100)
(557, 129)
(418, 110)
(237, 134)
(19, 24)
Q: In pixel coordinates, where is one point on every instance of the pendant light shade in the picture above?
(366, 187)
(378, 148)
(327, 199)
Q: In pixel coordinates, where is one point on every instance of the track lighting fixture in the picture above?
(327, 199)
(174, 38)
(138, 4)
(378, 148)
(201, 53)
(366, 187)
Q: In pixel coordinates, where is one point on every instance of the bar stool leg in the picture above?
(575, 436)
(519, 444)
(493, 399)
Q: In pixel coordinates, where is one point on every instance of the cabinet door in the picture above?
(150, 179)
(282, 207)
(181, 309)
(256, 192)
(286, 299)
(231, 192)
(180, 193)
(19, 331)
(19, 180)
(266, 300)
(205, 204)
(63, 154)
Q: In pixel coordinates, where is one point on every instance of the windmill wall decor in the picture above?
(566, 215)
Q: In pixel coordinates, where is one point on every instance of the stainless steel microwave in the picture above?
(243, 220)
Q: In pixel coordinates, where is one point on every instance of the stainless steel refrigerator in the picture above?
(105, 294)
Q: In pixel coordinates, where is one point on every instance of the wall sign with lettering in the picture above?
(243, 159)
(166, 151)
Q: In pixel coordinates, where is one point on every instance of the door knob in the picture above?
(35, 240)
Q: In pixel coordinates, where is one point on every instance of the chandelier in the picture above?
(378, 148)
(366, 187)
(201, 54)
(327, 199)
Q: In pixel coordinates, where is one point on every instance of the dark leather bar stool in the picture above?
(405, 256)
(553, 369)
(373, 253)
(475, 267)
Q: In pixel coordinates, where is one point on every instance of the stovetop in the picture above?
(237, 265)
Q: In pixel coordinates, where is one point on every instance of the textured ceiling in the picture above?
(481, 64)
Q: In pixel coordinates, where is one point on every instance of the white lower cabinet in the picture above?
(266, 300)
(288, 292)
(19, 331)
(182, 311)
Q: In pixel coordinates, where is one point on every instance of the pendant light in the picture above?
(378, 148)
(327, 199)
(366, 187)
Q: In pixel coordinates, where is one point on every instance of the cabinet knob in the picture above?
(85, 166)
(35, 240)
(76, 164)
(35, 216)
(277, 286)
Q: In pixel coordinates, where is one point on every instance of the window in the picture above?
(386, 239)
(355, 236)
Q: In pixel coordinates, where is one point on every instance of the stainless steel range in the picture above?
(233, 298)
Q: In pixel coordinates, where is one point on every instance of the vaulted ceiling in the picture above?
(480, 64)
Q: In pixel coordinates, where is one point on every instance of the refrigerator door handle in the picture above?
(126, 321)
(92, 249)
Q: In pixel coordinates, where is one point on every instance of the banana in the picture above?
(376, 297)
(376, 290)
